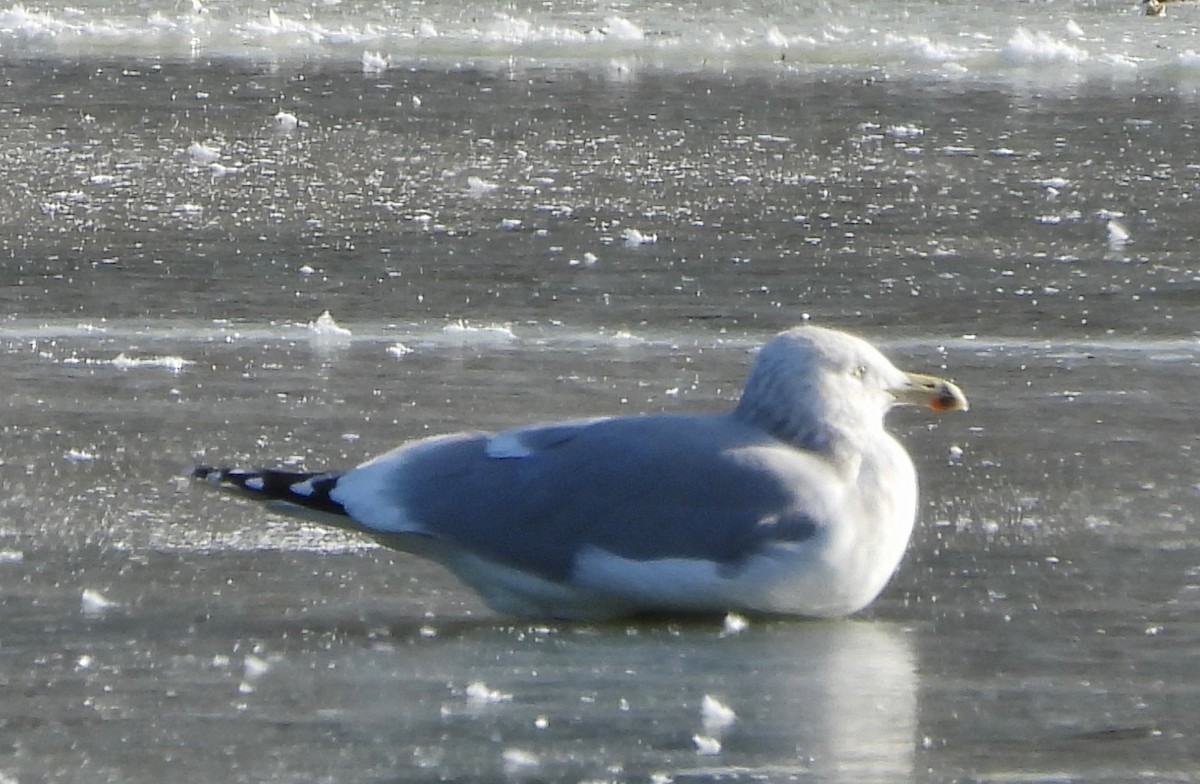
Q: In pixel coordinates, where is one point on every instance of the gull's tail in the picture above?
(303, 489)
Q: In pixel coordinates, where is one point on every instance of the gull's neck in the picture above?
(807, 414)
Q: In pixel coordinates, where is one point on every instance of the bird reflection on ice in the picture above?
(843, 695)
(835, 700)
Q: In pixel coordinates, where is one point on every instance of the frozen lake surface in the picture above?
(544, 214)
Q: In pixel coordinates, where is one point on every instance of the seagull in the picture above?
(796, 502)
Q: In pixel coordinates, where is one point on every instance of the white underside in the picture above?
(787, 581)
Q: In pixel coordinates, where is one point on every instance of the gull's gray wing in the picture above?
(641, 488)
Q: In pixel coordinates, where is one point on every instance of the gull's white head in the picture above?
(817, 387)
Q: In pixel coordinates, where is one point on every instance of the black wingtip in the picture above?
(204, 472)
(217, 476)
(309, 490)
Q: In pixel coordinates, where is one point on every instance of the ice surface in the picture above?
(110, 268)
(882, 37)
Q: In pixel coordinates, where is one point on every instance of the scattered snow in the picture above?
(286, 121)
(479, 694)
(374, 63)
(905, 131)
(492, 332)
(626, 338)
(1041, 48)
(1118, 235)
(125, 362)
(203, 153)
(93, 602)
(327, 332)
(253, 669)
(477, 186)
(716, 715)
(735, 624)
(633, 238)
(517, 761)
(618, 28)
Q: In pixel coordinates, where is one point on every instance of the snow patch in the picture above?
(478, 693)
(326, 332)
(93, 602)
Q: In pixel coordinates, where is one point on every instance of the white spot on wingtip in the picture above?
(304, 488)
(254, 483)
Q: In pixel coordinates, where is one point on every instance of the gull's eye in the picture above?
(859, 372)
